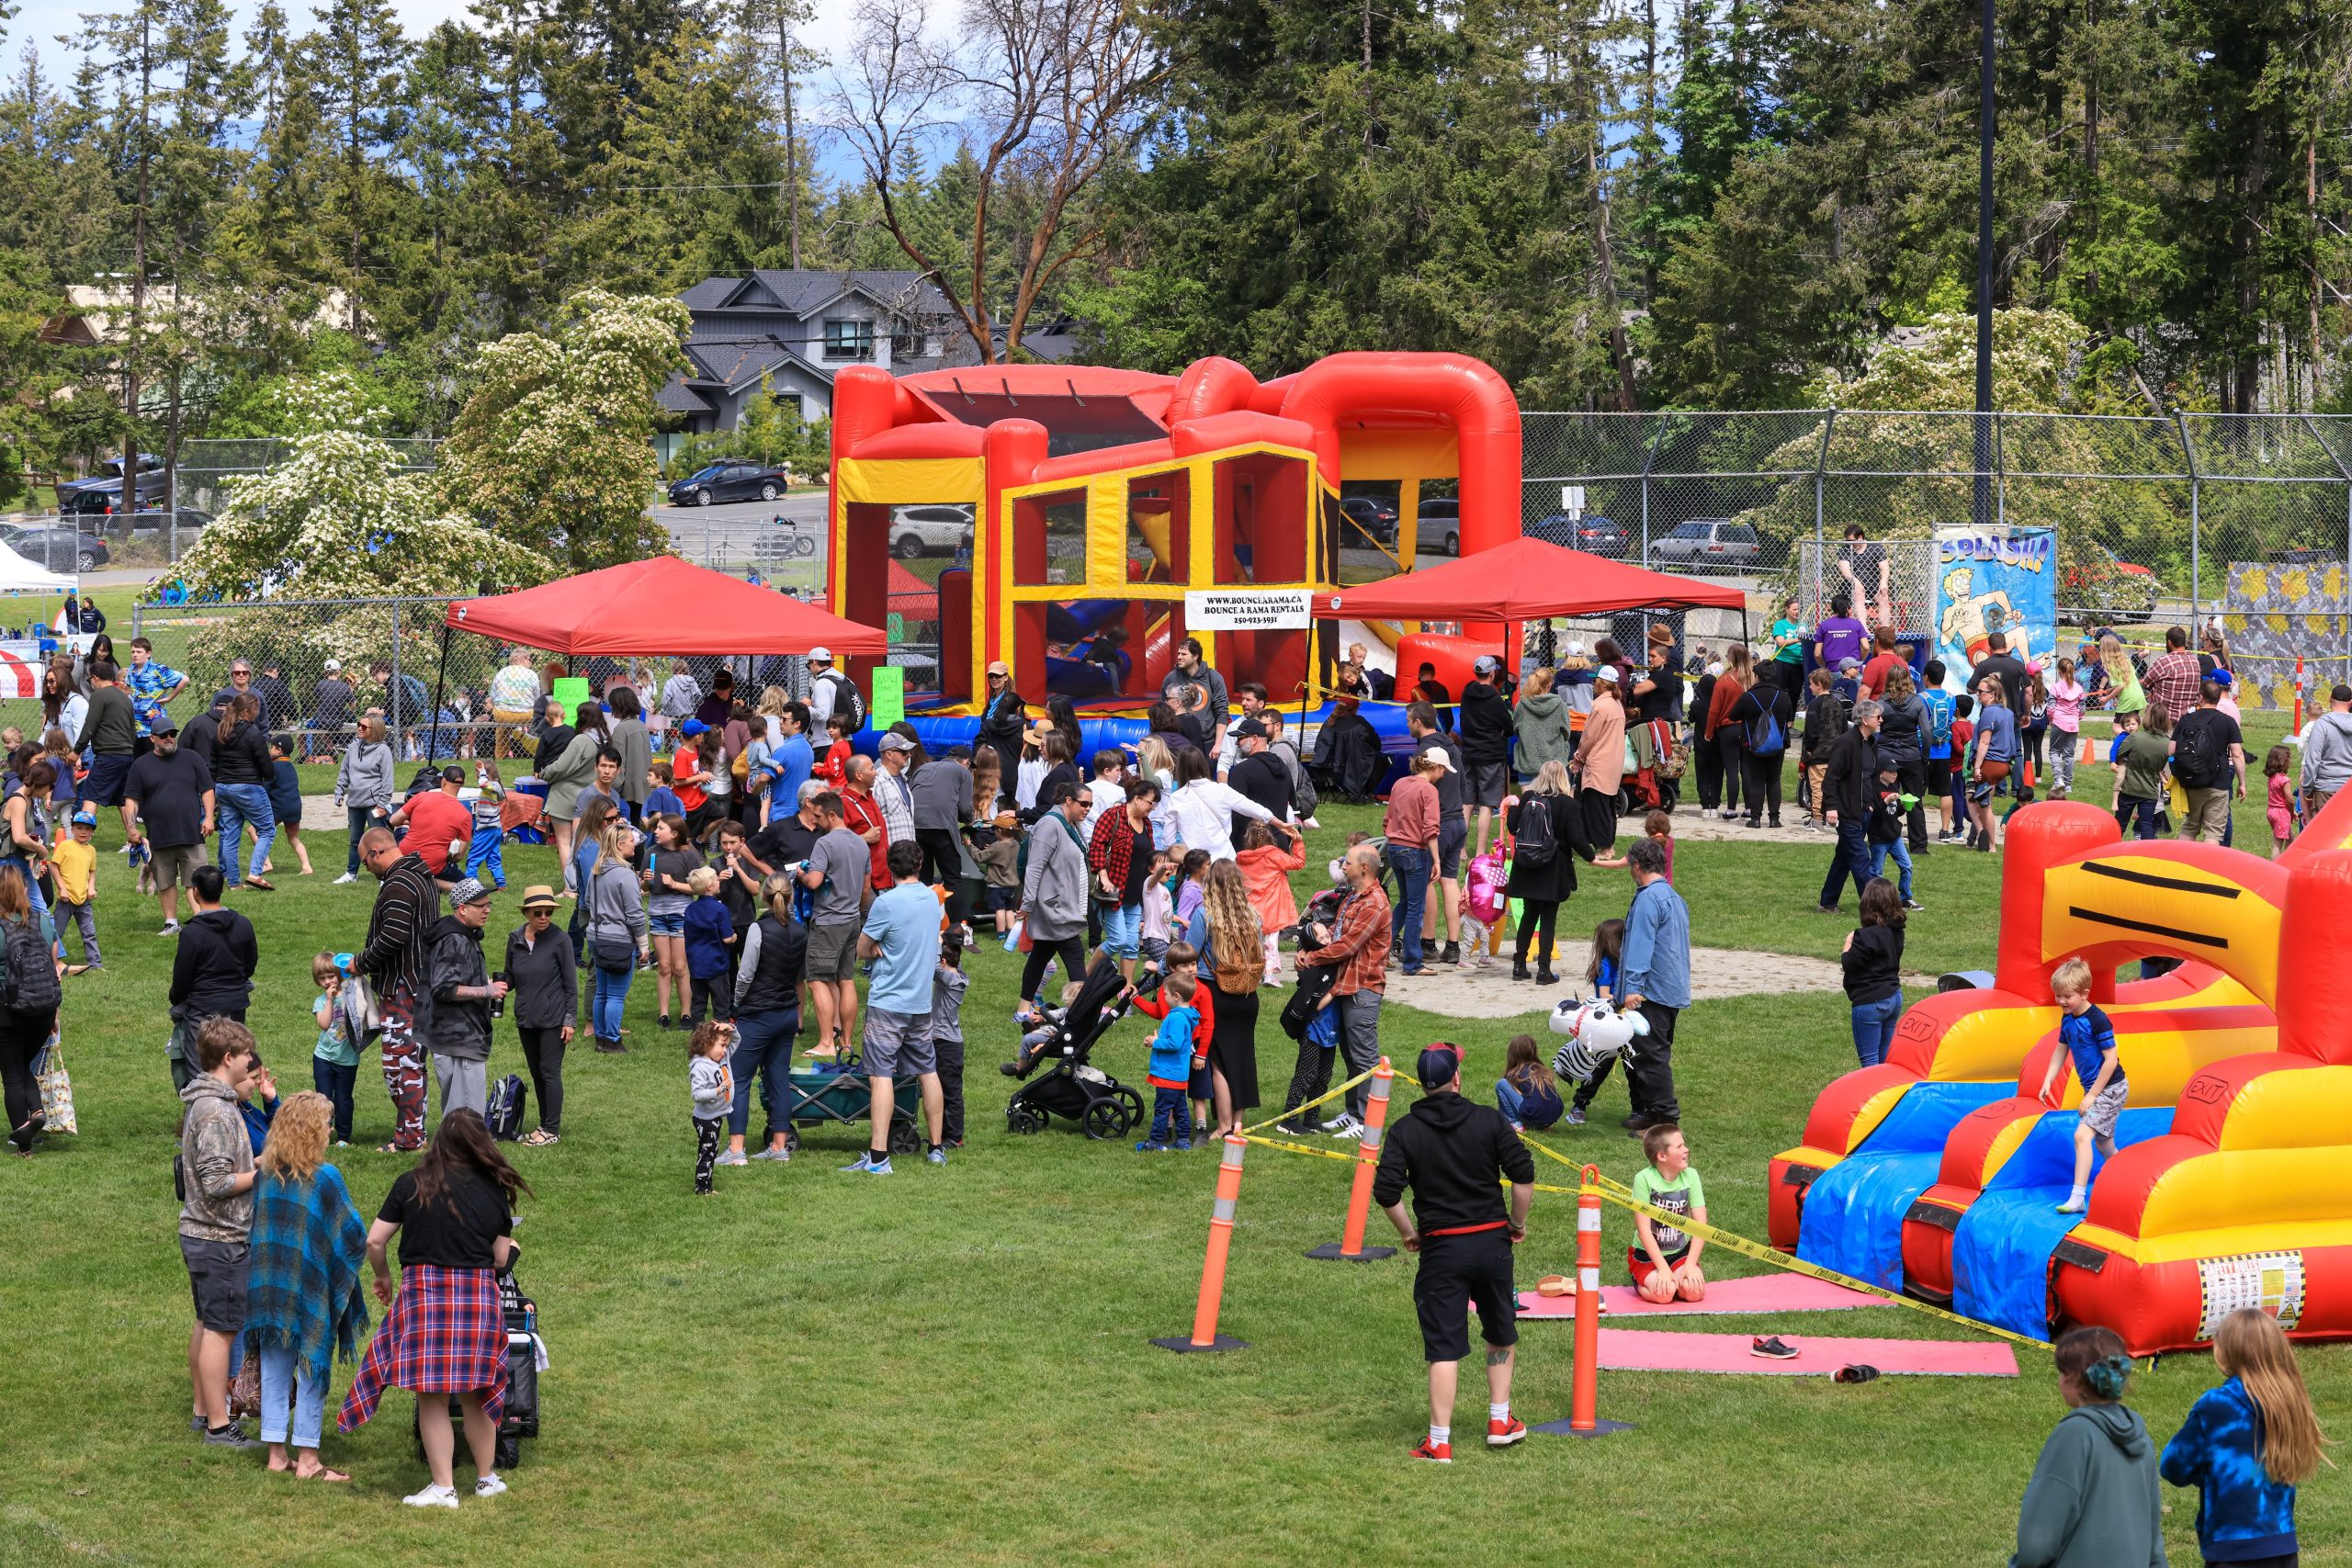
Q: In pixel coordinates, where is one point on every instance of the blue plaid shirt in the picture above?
(151, 684)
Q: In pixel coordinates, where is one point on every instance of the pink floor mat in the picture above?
(1664, 1351)
(1760, 1292)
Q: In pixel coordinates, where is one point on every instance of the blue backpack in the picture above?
(1764, 736)
(1938, 703)
(508, 1098)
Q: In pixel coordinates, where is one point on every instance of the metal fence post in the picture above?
(394, 698)
(1820, 538)
(2196, 523)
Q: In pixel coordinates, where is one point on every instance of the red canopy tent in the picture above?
(662, 607)
(1526, 580)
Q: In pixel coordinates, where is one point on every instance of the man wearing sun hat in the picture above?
(453, 1015)
(1455, 1153)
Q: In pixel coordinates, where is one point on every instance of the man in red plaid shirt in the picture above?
(2174, 675)
(1359, 947)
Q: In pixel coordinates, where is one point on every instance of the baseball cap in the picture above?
(694, 727)
(1437, 754)
(821, 656)
(998, 666)
(453, 774)
(890, 742)
(1606, 672)
(1486, 664)
(1848, 664)
(165, 725)
(1249, 726)
(332, 667)
(1438, 1064)
(1575, 650)
(470, 891)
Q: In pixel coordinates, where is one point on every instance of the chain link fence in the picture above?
(392, 657)
(2239, 521)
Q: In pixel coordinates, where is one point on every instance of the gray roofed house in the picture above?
(795, 329)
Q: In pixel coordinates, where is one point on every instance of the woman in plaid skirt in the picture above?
(445, 1332)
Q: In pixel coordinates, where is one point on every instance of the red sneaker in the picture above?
(1503, 1434)
(1437, 1453)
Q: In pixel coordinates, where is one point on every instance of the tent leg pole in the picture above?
(440, 674)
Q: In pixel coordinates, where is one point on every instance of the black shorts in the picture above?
(1487, 783)
(1450, 834)
(107, 775)
(1938, 775)
(1455, 1271)
(216, 1278)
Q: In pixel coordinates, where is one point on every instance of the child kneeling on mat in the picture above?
(2085, 1034)
(1664, 1262)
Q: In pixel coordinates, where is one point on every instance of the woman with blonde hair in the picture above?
(2248, 1444)
(304, 1306)
(1544, 814)
(1226, 933)
(1542, 723)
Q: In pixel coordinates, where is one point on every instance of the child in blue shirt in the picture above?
(710, 947)
(662, 800)
(334, 1060)
(1177, 1050)
(2246, 1444)
(1607, 946)
(2085, 1036)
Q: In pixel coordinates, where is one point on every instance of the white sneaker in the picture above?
(1344, 1126)
(489, 1485)
(432, 1497)
(170, 927)
(345, 880)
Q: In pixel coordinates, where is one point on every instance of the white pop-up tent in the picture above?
(18, 575)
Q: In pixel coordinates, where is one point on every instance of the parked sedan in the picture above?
(728, 481)
(1592, 533)
(929, 531)
(58, 548)
(1372, 518)
(1709, 543)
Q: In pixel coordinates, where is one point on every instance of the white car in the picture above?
(930, 530)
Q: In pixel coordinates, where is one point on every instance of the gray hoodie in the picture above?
(1544, 733)
(214, 1151)
(2327, 753)
(365, 777)
(2093, 1500)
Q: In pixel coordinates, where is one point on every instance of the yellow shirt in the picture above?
(77, 871)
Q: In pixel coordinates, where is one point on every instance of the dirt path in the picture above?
(1490, 992)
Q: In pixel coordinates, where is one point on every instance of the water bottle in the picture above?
(498, 1003)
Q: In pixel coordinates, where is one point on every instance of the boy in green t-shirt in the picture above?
(1664, 1260)
(2140, 757)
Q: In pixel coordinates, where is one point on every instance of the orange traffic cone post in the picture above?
(1584, 1386)
(1350, 1248)
(1205, 1335)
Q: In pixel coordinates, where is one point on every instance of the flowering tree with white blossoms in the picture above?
(553, 449)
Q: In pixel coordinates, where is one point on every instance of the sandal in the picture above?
(258, 885)
(539, 1138)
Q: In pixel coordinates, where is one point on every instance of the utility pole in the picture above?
(1984, 445)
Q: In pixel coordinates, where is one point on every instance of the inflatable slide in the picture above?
(1939, 1173)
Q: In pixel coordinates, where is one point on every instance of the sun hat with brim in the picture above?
(538, 896)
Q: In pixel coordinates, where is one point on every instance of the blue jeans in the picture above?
(336, 1082)
(2136, 817)
(1852, 856)
(764, 1046)
(285, 1380)
(240, 805)
(1412, 869)
(1874, 1028)
(1122, 929)
(487, 851)
(611, 991)
(1168, 1108)
(360, 819)
(1902, 854)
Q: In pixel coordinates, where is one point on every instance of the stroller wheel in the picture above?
(1106, 1119)
(510, 1450)
(904, 1139)
(1134, 1104)
(1022, 1120)
(792, 1139)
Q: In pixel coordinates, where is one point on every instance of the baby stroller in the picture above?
(521, 1419)
(1073, 1087)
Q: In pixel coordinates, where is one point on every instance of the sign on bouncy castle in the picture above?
(1995, 579)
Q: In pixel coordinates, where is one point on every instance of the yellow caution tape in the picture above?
(1333, 1093)
(1623, 1196)
(1298, 1148)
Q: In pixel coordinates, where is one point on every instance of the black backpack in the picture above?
(29, 981)
(1536, 844)
(847, 698)
(2199, 759)
(507, 1100)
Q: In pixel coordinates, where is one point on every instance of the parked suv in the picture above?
(1372, 517)
(1438, 531)
(929, 531)
(107, 477)
(1709, 543)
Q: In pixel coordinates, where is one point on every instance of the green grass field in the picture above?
(952, 1366)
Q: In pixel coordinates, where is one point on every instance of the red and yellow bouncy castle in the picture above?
(1939, 1172)
(1098, 497)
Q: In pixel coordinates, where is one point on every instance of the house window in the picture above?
(849, 339)
(906, 342)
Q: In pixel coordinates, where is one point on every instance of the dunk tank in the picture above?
(1936, 1172)
(1108, 505)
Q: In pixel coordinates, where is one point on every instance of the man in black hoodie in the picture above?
(453, 1011)
(1453, 1154)
(1486, 727)
(212, 972)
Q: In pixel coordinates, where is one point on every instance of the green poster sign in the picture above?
(568, 693)
(889, 704)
